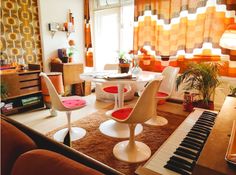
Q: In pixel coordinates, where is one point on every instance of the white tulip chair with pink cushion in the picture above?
(130, 150)
(67, 104)
(167, 85)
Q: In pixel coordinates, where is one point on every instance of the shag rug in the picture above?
(99, 146)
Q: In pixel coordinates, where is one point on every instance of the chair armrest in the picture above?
(38, 162)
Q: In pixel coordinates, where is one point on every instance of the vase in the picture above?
(136, 70)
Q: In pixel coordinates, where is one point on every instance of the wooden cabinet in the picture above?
(70, 72)
(23, 91)
(71, 76)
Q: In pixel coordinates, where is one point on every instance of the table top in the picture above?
(109, 76)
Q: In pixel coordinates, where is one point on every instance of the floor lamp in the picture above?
(228, 39)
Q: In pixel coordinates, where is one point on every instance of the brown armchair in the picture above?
(27, 152)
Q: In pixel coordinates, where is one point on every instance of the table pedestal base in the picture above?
(114, 129)
(157, 121)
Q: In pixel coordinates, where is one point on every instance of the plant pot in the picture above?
(124, 67)
(202, 104)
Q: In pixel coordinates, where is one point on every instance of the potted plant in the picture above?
(3, 91)
(232, 91)
(202, 77)
(124, 63)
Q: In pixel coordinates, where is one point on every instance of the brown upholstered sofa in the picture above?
(27, 152)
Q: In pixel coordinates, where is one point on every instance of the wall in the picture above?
(57, 11)
(20, 36)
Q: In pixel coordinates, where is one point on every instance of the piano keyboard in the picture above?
(181, 150)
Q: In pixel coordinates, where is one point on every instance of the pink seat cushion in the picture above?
(122, 114)
(161, 95)
(113, 89)
(73, 103)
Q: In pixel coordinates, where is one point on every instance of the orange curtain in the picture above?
(172, 25)
(87, 35)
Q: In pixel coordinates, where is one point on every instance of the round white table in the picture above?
(110, 127)
(140, 81)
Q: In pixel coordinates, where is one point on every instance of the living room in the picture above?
(103, 86)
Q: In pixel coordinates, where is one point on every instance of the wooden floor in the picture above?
(43, 122)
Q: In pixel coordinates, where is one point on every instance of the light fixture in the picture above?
(228, 39)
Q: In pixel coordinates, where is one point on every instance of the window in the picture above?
(113, 30)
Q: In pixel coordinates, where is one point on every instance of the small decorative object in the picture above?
(21, 64)
(187, 103)
(124, 63)
(71, 50)
(202, 77)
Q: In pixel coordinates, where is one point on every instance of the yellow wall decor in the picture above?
(20, 33)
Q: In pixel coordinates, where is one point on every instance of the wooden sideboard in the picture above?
(23, 91)
(212, 159)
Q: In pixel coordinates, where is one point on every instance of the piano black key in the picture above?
(207, 121)
(176, 169)
(204, 123)
(180, 165)
(200, 131)
(195, 141)
(192, 146)
(196, 136)
(191, 142)
(184, 154)
(188, 151)
(207, 118)
(203, 127)
(210, 113)
(179, 159)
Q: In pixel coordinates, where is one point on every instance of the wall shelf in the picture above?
(67, 27)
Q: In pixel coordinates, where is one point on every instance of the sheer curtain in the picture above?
(113, 31)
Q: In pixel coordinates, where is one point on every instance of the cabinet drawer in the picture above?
(25, 77)
(29, 90)
(29, 83)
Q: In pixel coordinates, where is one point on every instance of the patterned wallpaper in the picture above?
(20, 35)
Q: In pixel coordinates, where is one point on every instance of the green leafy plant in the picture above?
(3, 91)
(202, 77)
(123, 58)
(232, 91)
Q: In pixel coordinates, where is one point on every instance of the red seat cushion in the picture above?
(122, 114)
(113, 89)
(73, 103)
(161, 95)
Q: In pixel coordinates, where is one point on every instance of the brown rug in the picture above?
(100, 147)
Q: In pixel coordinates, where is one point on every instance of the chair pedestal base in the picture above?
(139, 153)
(76, 134)
(108, 113)
(157, 121)
(114, 129)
